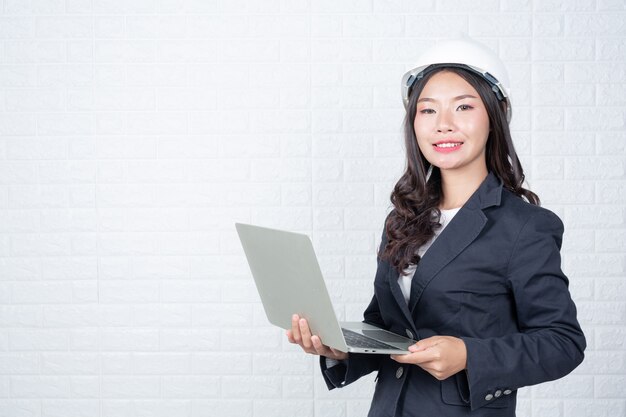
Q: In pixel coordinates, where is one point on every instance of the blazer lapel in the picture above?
(460, 233)
(397, 294)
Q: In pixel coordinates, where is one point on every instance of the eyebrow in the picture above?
(461, 97)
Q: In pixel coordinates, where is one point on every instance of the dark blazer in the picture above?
(492, 278)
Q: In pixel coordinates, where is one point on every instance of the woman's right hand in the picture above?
(300, 334)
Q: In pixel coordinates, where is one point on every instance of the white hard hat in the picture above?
(466, 53)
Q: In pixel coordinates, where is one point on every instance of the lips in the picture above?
(446, 146)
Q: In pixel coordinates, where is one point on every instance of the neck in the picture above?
(458, 187)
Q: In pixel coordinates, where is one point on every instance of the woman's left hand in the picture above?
(440, 356)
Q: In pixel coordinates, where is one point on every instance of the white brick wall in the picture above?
(133, 134)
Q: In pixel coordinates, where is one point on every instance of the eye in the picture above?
(426, 111)
(465, 106)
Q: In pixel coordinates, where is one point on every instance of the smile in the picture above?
(446, 147)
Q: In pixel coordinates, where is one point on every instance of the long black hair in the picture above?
(418, 193)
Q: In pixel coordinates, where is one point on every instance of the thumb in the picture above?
(422, 345)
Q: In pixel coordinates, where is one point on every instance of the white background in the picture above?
(134, 133)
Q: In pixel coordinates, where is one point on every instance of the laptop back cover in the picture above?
(289, 280)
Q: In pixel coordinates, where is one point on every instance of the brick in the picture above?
(344, 50)
(361, 25)
(610, 386)
(284, 408)
(74, 267)
(40, 339)
(297, 386)
(62, 75)
(109, 27)
(353, 6)
(607, 264)
(188, 340)
(21, 268)
(563, 192)
(611, 192)
(611, 94)
(560, 50)
(41, 292)
(610, 289)
(595, 24)
(227, 408)
(17, 27)
(186, 291)
(328, 219)
(572, 386)
(26, 51)
(601, 217)
(79, 51)
(589, 168)
(64, 27)
(562, 6)
(596, 407)
(610, 49)
(20, 316)
(191, 387)
(579, 241)
(435, 25)
(16, 125)
(291, 218)
(552, 94)
(606, 313)
(608, 72)
(14, 76)
(34, 7)
(548, 119)
(161, 363)
(131, 387)
(610, 338)
(499, 25)
(286, 364)
(129, 291)
(85, 387)
(548, 72)
(131, 51)
(222, 315)
(578, 119)
(547, 407)
(40, 386)
(70, 364)
(255, 387)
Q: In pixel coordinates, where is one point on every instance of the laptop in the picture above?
(289, 281)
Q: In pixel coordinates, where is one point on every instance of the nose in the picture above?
(445, 122)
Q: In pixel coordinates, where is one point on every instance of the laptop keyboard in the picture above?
(358, 340)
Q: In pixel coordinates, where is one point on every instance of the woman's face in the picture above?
(452, 125)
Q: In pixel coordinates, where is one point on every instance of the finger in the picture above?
(295, 328)
(319, 347)
(290, 336)
(424, 344)
(305, 333)
(417, 358)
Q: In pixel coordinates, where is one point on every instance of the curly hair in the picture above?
(417, 194)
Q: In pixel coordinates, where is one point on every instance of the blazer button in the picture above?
(489, 397)
(399, 372)
(497, 393)
(409, 334)
(507, 391)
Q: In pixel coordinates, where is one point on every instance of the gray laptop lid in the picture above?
(287, 287)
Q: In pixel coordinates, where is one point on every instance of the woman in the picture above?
(469, 264)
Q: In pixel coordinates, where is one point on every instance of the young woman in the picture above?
(469, 264)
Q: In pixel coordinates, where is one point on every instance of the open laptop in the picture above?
(289, 281)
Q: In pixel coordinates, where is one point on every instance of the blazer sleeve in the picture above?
(550, 342)
(357, 364)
